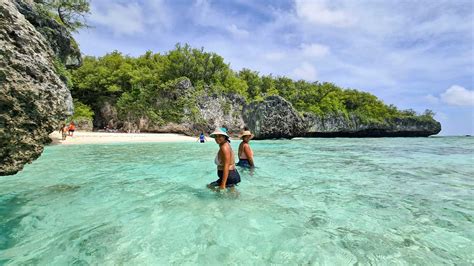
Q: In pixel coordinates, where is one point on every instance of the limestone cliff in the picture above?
(274, 117)
(33, 97)
(202, 112)
(337, 125)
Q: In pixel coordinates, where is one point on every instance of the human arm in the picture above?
(225, 151)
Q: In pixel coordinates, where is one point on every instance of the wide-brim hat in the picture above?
(219, 131)
(246, 133)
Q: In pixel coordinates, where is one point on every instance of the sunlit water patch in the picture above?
(310, 201)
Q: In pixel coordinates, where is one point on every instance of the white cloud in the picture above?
(239, 33)
(314, 50)
(158, 14)
(432, 99)
(204, 12)
(125, 19)
(274, 56)
(317, 12)
(459, 96)
(306, 71)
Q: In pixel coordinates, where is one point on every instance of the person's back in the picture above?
(202, 138)
(245, 152)
(71, 129)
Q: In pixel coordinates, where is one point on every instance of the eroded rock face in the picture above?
(275, 117)
(56, 35)
(33, 98)
(107, 117)
(340, 126)
(221, 111)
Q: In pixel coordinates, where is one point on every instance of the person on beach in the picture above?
(64, 131)
(72, 128)
(202, 138)
(245, 152)
(226, 171)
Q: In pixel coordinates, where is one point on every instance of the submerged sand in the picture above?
(106, 137)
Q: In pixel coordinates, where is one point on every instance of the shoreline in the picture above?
(85, 137)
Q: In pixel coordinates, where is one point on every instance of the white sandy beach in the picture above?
(81, 137)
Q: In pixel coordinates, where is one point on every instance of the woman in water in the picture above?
(228, 175)
(245, 152)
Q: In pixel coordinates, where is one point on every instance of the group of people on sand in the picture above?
(225, 161)
(67, 130)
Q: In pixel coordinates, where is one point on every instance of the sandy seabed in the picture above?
(81, 137)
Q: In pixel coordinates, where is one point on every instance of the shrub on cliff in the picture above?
(83, 116)
(69, 13)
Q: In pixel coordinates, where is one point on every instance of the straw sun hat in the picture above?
(219, 131)
(246, 133)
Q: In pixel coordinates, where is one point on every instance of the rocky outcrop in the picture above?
(338, 125)
(107, 117)
(201, 112)
(33, 98)
(274, 117)
(220, 111)
(57, 36)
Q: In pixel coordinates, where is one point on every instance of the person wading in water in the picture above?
(228, 175)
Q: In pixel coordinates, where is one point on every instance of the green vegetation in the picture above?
(62, 72)
(69, 13)
(83, 116)
(82, 111)
(146, 87)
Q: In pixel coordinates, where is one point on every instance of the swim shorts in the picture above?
(244, 163)
(232, 180)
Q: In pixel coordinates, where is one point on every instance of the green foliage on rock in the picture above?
(83, 116)
(148, 87)
(62, 72)
(82, 111)
(69, 13)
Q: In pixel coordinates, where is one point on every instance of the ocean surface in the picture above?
(398, 201)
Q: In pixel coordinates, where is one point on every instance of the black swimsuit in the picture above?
(232, 179)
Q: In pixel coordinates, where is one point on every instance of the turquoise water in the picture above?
(310, 201)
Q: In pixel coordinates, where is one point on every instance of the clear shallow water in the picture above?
(310, 201)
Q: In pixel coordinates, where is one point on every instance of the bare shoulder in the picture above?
(225, 148)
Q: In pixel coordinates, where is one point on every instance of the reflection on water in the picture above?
(309, 201)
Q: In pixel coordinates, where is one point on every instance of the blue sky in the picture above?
(414, 54)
